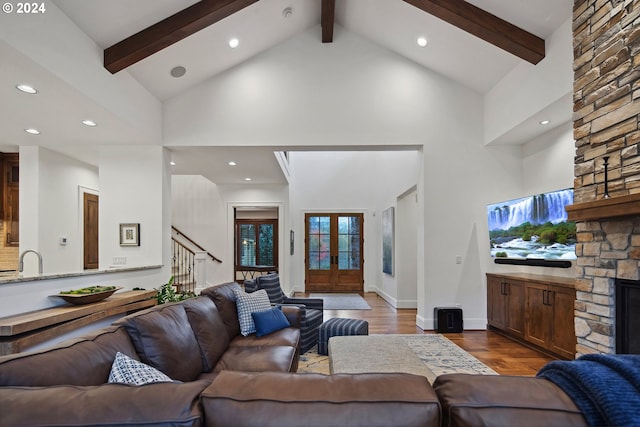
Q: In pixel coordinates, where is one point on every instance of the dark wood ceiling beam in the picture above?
(169, 31)
(486, 26)
(327, 10)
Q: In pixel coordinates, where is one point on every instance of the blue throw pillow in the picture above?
(268, 321)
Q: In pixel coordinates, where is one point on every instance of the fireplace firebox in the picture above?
(627, 316)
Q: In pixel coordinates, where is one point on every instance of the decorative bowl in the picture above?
(87, 298)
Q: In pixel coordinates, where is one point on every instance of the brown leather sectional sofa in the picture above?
(225, 379)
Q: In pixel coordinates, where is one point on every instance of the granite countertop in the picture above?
(12, 276)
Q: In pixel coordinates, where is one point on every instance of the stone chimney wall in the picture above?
(606, 42)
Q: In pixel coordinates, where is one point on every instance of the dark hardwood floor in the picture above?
(499, 353)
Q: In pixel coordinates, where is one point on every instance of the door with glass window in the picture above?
(256, 248)
(333, 252)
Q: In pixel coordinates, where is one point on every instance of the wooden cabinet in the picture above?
(550, 318)
(10, 196)
(536, 309)
(505, 304)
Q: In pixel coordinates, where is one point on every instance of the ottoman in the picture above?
(339, 328)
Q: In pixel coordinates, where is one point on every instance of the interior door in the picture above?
(333, 252)
(90, 231)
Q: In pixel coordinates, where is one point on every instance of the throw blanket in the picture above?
(605, 387)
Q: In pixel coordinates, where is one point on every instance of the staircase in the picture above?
(187, 265)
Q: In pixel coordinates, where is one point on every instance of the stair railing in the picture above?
(183, 268)
(187, 238)
(184, 261)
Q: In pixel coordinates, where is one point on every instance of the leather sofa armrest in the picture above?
(313, 303)
(270, 399)
(500, 400)
(293, 314)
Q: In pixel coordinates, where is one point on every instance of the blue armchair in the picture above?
(311, 308)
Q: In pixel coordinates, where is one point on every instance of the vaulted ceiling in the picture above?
(475, 43)
(130, 31)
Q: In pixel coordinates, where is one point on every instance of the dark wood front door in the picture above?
(333, 252)
(90, 231)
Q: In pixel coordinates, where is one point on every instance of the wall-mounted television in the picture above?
(533, 228)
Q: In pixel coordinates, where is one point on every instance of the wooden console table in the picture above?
(21, 331)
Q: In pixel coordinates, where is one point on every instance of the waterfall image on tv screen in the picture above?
(534, 227)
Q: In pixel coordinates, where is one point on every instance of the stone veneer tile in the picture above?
(628, 269)
(599, 310)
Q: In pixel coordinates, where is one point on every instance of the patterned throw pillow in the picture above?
(247, 304)
(129, 371)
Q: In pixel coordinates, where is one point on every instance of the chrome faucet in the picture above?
(21, 261)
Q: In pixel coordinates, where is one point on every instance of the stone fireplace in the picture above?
(606, 40)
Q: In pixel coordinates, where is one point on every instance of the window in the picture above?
(256, 243)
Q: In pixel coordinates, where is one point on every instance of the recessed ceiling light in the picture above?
(89, 123)
(233, 43)
(247, 179)
(545, 122)
(172, 163)
(422, 41)
(26, 89)
(232, 163)
(178, 71)
(32, 131)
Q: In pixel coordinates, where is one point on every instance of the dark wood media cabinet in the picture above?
(536, 310)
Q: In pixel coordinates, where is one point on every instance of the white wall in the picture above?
(528, 88)
(134, 184)
(51, 208)
(406, 243)
(54, 42)
(199, 211)
(204, 211)
(547, 161)
(60, 180)
(306, 93)
(132, 190)
(347, 181)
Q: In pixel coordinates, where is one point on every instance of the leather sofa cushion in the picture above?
(278, 399)
(84, 360)
(286, 337)
(225, 300)
(259, 359)
(492, 400)
(164, 339)
(208, 326)
(158, 404)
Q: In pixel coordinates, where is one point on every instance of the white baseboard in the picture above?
(396, 303)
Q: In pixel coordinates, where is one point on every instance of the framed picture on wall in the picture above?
(130, 234)
(387, 240)
(291, 240)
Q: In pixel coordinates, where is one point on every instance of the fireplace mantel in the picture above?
(605, 208)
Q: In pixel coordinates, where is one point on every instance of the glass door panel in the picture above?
(333, 249)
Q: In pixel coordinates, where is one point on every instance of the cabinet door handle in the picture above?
(546, 300)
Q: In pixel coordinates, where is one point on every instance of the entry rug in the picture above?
(342, 301)
(439, 354)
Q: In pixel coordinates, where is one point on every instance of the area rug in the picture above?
(342, 301)
(438, 353)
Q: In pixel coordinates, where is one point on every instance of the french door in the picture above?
(333, 252)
